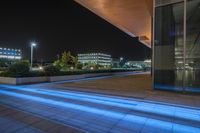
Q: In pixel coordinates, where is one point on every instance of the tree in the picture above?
(63, 62)
(68, 57)
(57, 63)
(79, 66)
(75, 62)
(67, 60)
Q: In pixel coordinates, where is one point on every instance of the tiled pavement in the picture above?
(41, 109)
(136, 86)
(14, 120)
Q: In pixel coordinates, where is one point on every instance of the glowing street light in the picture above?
(32, 46)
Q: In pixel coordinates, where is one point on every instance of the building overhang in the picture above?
(131, 16)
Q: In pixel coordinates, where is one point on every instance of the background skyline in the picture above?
(63, 25)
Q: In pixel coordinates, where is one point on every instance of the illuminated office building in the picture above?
(96, 58)
(11, 54)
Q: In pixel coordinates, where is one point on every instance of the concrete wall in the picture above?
(71, 77)
(31, 80)
(6, 80)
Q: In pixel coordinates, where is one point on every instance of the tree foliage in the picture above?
(67, 61)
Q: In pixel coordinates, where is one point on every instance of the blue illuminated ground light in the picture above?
(160, 112)
(175, 88)
(123, 103)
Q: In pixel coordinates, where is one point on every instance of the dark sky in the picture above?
(62, 25)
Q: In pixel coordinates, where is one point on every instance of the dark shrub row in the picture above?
(22, 69)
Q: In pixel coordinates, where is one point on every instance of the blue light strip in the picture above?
(64, 104)
(164, 110)
(176, 88)
(82, 97)
(131, 118)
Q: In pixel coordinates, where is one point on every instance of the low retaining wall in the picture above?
(71, 77)
(6, 80)
(32, 80)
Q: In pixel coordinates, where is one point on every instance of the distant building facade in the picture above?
(12, 54)
(115, 62)
(96, 58)
(139, 64)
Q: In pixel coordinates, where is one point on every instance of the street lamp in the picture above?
(32, 46)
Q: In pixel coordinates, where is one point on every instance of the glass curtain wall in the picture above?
(177, 45)
(192, 57)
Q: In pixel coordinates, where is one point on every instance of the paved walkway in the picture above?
(136, 86)
(42, 109)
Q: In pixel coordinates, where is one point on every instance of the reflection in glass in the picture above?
(192, 74)
(168, 46)
(174, 69)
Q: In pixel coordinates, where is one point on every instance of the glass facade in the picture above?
(177, 45)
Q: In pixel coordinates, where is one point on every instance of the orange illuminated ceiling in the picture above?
(131, 16)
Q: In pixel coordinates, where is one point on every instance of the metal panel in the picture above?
(131, 16)
(166, 2)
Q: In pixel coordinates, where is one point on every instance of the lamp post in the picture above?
(32, 46)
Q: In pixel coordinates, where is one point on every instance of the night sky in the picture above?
(62, 25)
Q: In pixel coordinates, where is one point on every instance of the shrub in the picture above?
(79, 66)
(52, 70)
(18, 69)
(37, 74)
